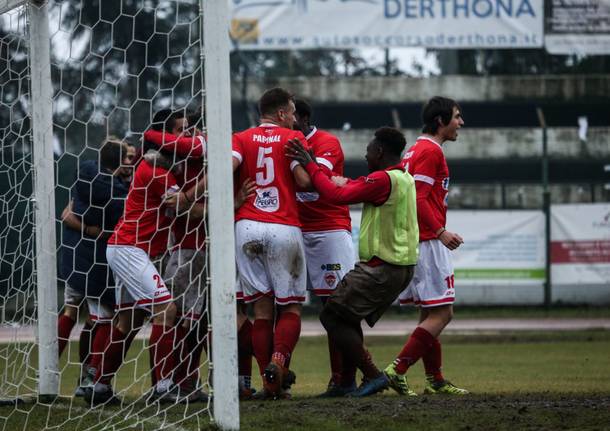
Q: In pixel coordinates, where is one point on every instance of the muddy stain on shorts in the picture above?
(296, 265)
(253, 249)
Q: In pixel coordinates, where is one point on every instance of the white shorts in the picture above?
(98, 311)
(329, 255)
(186, 274)
(138, 282)
(432, 283)
(270, 261)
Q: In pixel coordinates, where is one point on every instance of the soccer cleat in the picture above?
(273, 378)
(100, 394)
(443, 387)
(164, 392)
(371, 387)
(335, 391)
(398, 382)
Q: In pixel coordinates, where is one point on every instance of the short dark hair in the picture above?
(274, 99)
(166, 119)
(392, 140)
(435, 108)
(112, 152)
(303, 108)
(195, 118)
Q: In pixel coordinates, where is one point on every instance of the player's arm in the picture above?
(72, 221)
(184, 146)
(424, 180)
(375, 188)
(301, 177)
(246, 191)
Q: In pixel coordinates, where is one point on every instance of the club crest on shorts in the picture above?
(267, 199)
(330, 279)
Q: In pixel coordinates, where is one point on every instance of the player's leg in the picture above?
(330, 256)
(285, 264)
(66, 321)
(432, 289)
(255, 287)
(245, 351)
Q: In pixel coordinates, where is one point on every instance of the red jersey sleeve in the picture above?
(237, 149)
(184, 146)
(424, 167)
(329, 154)
(375, 188)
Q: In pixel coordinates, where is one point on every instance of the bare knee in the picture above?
(291, 308)
(263, 308)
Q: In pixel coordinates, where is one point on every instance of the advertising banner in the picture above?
(580, 244)
(342, 24)
(577, 27)
(500, 247)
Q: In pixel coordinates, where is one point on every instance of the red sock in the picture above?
(181, 355)
(101, 338)
(433, 361)
(418, 344)
(112, 357)
(287, 332)
(336, 363)
(64, 327)
(244, 349)
(262, 342)
(84, 342)
(162, 343)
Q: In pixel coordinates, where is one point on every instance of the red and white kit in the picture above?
(433, 281)
(326, 227)
(262, 246)
(141, 234)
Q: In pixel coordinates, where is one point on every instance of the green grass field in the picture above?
(519, 381)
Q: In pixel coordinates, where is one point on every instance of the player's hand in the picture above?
(247, 190)
(171, 199)
(339, 181)
(295, 150)
(92, 231)
(450, 240)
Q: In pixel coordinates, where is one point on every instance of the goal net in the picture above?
(115, 253)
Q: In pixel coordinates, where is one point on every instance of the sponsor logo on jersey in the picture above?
(267, 199)
(445, 183)
(330, 279)
(266, 139)
(331, 267)
(408, 155)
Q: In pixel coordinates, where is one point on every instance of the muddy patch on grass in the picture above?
(478, 412)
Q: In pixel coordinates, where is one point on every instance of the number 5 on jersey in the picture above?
(262, 162)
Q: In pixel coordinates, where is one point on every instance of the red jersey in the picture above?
(261, 153)
(426, 162)
(144, 223)
(318, 214)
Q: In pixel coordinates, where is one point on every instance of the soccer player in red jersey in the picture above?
(141, 235)
(269, 243)
(326, 227)
(186, 269)
(432, 287)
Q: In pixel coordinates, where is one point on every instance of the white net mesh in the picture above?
(115, 67)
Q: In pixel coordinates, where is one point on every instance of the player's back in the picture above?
(261, 151)
(426, 162)
(144, 223)
(318, 214)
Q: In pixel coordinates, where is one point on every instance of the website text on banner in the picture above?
(580, 244)
(308, 24)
